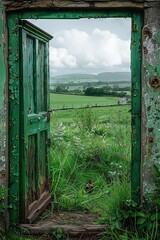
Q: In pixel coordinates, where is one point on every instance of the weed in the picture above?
(134, 220)
(86, 150)
(86, 119)
(58, 234)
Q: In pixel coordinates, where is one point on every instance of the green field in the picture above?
(112, 115)
(64, 101)
(90, 144)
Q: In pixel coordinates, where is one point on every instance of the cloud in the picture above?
(61, 58)
(100, 49)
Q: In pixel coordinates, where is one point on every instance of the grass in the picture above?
(106, 115)
(62, 100)
(90, 145)
(94, 145)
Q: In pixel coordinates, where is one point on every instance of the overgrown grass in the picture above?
(90, 146)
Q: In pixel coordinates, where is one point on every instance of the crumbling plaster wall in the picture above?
(151, 94)
(150, 72)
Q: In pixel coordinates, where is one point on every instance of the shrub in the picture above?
(86, 119)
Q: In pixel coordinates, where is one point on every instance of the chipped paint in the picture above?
(2, 100)
(3, 115)
(151, 96)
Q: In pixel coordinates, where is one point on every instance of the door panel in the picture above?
(32, 159)
(34, 176)
(42, 165)
(42, 101)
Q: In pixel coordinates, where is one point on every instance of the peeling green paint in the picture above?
(136, 59)
(3, 115)
(14, 91)
(13, 119)
(2, 98)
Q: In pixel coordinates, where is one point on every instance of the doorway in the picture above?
(15, 168)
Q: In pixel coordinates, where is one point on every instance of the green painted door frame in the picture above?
(15, 95)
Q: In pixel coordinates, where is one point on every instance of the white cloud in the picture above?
(61, 58)
(99, 50)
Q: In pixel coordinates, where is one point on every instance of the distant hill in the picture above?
(74, 78)
(103, 77)
(114, 76)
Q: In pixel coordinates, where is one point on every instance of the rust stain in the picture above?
(150, 129)
(155, 82)
(147, 33)
(149, 152)
(145, 50)
(150, 139)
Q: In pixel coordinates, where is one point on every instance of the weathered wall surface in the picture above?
(2, 98)
(151, 95)
(13, 5)
(3, 115)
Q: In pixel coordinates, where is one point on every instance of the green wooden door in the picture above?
(34, 122)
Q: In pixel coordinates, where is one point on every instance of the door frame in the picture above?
(13, 20)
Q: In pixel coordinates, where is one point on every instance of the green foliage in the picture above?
(91, 91)
(86, 119)
(155, 196)
(136, 220)
(132, 221)
(58, 234)
(90, 146)
(14, 234)
(60, 89)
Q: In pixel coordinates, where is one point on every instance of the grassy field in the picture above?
(114, 114)
(90, 145)
(61, 100)
(89, 158)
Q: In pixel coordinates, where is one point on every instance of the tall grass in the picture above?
(90, 148)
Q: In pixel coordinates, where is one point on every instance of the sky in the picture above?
(88, 45)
